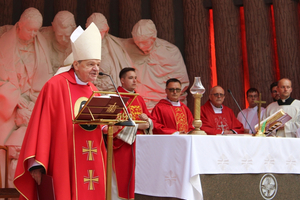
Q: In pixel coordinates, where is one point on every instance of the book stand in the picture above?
(106, 110)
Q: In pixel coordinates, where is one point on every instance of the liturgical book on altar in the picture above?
(273, 122)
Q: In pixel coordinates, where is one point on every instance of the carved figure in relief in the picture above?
(156, 60)
(24, 69)
(114, 57)
(58, 37)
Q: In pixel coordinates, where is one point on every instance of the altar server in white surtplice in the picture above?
(251, 113)
(288, 105)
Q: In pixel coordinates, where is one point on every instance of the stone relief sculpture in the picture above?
(4, 29)
(28, 58)
(156, 61)
(58, 37)
(114, 56)
(24, 69)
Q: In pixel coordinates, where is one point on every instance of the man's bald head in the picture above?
(284, 88)
(217, 96)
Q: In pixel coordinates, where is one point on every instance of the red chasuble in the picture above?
(74, 155)
(215, 123)
(170, 119)
(124, 154)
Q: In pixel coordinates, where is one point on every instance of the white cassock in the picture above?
(293, 109)
(251, 116)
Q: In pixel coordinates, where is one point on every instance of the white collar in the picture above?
(216, 110)
(78, 81)
(174, 103)
(254, 108)
(283, 100)
(129, 91)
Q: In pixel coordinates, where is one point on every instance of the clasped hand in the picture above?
(145, 125)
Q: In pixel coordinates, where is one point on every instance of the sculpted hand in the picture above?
(23, 103)
(182, 132)
(37, 175)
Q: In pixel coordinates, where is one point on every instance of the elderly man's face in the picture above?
(87, 70)
(28, 29)
(144, 43)
(217, 96)
(62, 35)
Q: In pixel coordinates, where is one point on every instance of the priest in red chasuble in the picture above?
(123, 180)
(172, 116)
(217, 118)
(73, 155)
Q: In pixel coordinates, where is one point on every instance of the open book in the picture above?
(273, 122)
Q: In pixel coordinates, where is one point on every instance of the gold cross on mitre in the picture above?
(259, 102)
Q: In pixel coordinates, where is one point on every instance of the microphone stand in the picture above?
(241, 110)
(129, 122)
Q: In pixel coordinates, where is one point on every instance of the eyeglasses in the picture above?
(174, 89)
(252, 96)
(218, 94)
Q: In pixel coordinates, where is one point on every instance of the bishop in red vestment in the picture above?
(217, 118)
(74, 155)
(172, 115)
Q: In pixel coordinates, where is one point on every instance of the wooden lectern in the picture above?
(106, 110)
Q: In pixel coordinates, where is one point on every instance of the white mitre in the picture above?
(86, 45)
(67, 65)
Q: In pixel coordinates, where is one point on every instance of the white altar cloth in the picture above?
(170, 165)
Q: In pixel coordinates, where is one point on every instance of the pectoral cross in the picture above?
(259, 102)
(222, 126)
(90, 150)
(90, 179)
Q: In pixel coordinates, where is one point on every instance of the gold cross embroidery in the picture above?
(111, 108)
(89, 150)
(90, 179)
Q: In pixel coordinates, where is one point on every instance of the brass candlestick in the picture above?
(197, 90)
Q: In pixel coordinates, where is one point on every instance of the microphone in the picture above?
(129, 122)
(240, 110)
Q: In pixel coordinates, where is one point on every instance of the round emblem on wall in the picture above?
(268, 186)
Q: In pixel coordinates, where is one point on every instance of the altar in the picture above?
(217, 167)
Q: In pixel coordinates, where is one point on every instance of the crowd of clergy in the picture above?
(74, 155)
